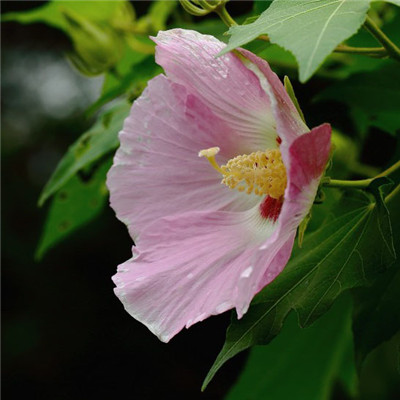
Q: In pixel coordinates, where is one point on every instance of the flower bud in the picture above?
(96, 48)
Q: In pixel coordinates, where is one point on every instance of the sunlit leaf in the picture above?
(52, 13)
(309, 29)
(350, 251)
(78, 202)
(95, 143)
(299, 363)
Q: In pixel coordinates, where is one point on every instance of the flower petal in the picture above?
(289, 124)
(157, 171)
(195, 265)
(308, 156)
(223, 83)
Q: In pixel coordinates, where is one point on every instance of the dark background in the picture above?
(65, 334)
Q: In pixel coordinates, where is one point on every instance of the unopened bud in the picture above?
(96, 48)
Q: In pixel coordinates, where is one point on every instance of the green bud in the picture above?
(96, 48)
(124, 17)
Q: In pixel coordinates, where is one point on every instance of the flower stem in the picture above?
(359, 184)
(392, 50)
(336, 183)
(376, 52)
(390, 170)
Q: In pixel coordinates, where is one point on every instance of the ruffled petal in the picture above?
(199, 264)
(223, 83)
(157, 171)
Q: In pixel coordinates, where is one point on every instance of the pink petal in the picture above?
(308, 155)
(289, 124)
(157, 171)
(224, 84)
(189, 267)
(195, 265)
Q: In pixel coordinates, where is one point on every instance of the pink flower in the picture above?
(202, 246)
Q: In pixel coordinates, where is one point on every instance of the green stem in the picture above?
(392, 194)
(360, 184)
(225, 16)
(336, 183)
(392, 49)
(390, 170)
(377, 52)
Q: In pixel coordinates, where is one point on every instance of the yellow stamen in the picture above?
(210, 155)
(261, 172)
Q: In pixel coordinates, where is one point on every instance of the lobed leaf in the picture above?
(350, 251)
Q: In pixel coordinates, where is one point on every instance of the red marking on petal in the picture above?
(270, 208)
(278, 140)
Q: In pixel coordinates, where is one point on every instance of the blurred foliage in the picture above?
(373, 98)
(348, 243)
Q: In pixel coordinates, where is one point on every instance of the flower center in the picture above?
(261, 172)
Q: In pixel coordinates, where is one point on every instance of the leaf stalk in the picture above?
(392, 50)
(359, 184)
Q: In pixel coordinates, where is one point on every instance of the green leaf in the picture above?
(309, 29)
(372, 97)
(95, 143)
(299, 363)
(377, 309)
(78, 202)
(350, 251)
(377, 314)
(395, 2)
(134, 70)
(52, 13)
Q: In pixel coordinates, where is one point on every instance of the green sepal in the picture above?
(290, 92)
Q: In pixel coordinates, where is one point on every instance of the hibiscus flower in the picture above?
(209, 235)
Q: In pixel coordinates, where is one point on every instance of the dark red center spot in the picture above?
(270, 208)
(278, 140)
